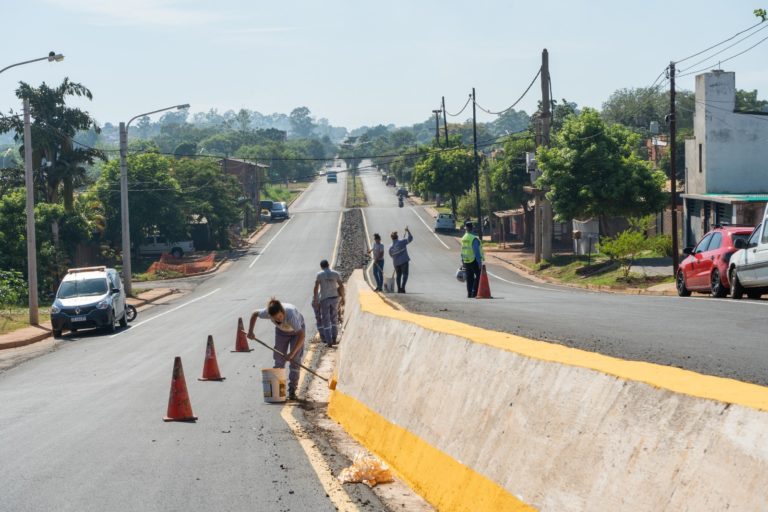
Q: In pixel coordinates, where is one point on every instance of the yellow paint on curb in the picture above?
(665, 377)
(440, 479)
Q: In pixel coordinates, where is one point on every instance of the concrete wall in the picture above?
(479, 420)
(734, 145)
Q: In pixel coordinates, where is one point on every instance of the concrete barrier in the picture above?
(480, 420)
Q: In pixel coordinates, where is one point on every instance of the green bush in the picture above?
(661, 245)
(625, 248)
(13, 289)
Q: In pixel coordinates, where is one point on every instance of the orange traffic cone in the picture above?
(241, 341)
(179, 407)
(210, 366)
(484, 290)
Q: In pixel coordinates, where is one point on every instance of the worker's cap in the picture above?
(468, 224)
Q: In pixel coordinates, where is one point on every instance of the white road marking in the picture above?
(338, 240)
(269, 243)
(521, 284)
(430, 229)
(134, 326)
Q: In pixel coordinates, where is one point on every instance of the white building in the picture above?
(726, 160)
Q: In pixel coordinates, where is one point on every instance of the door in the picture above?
(705, 265)
(760, 268)
(747, 274)
(693, 275)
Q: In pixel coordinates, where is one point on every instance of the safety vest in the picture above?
(467, 253)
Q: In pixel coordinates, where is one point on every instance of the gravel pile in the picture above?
(352, 247)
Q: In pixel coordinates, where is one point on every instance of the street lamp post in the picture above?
(30, 209)
(124, 214)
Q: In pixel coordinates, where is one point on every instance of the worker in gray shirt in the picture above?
(377, 250)
(399, 253)
(328, 290)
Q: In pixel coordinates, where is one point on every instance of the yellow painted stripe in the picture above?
(437, 477)
(665, 377)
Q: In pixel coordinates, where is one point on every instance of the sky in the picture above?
(358, 62)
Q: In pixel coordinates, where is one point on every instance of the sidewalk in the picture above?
(35, 333)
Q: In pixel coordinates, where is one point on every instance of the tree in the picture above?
(243, 120)
(636, 108)
(154, 198)
(591, 170)
(445, 172)
(209, 195)
(301, 122)
(53, 130)
(747, 101)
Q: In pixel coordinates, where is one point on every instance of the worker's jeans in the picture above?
(402, 276)
(285, 343)
(473, 278)
(378, 273)
(329, 316)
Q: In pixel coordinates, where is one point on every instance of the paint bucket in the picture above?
(273, 380)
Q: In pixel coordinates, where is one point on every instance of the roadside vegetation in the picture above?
(355, 192)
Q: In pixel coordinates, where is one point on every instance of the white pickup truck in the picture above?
(158, 244)
(748, 267)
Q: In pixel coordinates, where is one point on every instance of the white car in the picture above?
(158, 244)
(748, 267)
(445, 222)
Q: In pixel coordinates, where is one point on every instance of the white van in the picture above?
(89, 297)
(748, 267)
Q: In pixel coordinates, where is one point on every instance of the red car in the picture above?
(705, 269)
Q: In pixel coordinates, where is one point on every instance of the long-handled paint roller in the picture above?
(331, 382)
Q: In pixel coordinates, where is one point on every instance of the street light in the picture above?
(124, 193)
(29, 182)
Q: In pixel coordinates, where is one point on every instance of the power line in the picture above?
(727, 59)
(721, 51)
(737, 34)
(469, 98)
(500, 112)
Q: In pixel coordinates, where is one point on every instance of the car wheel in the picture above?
(57, 333)
(177, 253)
(130, 312)
(110, 327)
(716, 285)
(124, 318)
(737, 291)
(682, 291)
(754, 295)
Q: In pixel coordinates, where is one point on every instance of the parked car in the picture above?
(159, 244)
(279, 210)
(748, 269)
(705, 268)
(331, 177)
(445, 222)
(89, 297)
(391, 181)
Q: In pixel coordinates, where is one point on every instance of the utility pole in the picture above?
(479, 227)
(437, 127)
(31, 241)
(546, 123)
(672, 166)
(445, 123)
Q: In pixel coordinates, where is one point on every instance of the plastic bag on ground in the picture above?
(367, 469)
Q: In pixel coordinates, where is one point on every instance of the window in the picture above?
(703, 245)
(716, 241)
(754, 237)
(764, 239)
(701, 158)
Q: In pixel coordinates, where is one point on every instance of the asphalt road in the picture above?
(81, 428)
(713, 336)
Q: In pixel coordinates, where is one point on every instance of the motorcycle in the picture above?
(400, 201)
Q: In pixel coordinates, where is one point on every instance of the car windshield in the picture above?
(84, 288)
(278, 206)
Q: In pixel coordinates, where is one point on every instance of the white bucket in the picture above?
(273, 380)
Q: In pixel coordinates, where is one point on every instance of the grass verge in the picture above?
(18, 318)
(356, 193)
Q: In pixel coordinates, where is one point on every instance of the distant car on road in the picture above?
(331, 177)
(391, 181)
(705, 268)
(748, 269)
(159, 244)
(279, 210)
(445, 222)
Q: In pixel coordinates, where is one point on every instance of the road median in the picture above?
(534, 424)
